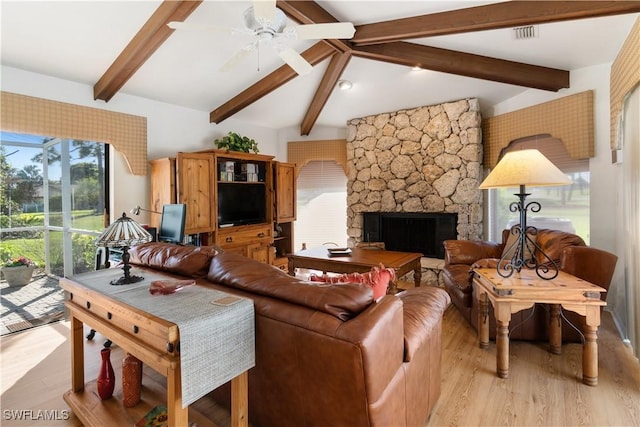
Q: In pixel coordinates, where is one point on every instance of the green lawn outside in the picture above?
(34, 247)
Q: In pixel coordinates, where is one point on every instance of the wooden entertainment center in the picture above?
(242, 202)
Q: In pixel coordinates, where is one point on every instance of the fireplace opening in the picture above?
(410, 232)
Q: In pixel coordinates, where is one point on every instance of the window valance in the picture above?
(625, 76)
(37, 116)
(569, 119)
(302, 152)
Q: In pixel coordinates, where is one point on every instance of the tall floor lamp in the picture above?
(122, 233)
(519, 169)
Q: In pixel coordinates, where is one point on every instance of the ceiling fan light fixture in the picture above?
(261, 26)
(344, 84)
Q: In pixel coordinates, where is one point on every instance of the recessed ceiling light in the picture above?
(345, 84)
(416, 68)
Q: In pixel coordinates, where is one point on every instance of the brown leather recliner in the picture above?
(568, 251)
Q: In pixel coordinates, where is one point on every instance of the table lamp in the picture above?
(122, 233)
(519, 169)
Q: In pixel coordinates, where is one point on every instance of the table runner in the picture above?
(217, 343)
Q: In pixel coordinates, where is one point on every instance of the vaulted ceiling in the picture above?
(454, 38)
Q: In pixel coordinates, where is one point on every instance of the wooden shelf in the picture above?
(93, 411)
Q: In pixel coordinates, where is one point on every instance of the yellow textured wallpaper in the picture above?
(625, 76)
(569, 119)
(37, 116)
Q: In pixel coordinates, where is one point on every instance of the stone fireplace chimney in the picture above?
(427, 159)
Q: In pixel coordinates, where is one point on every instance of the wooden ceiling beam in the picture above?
(309, 12)
(315, 54)
(489, 17)
(336, 67)
(466, 64)
(146, 41)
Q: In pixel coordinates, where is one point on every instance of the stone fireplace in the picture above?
(422, 160)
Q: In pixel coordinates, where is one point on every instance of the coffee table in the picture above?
(521, 291)
(359, 261)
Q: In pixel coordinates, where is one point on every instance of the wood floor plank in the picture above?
(542, 389)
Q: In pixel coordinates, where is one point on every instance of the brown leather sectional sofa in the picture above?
(326, 355)
(568, 251)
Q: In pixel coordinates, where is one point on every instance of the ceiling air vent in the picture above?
(527, 32)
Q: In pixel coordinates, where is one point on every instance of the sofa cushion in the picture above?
(378, 279)
(553, 243)
(511, 246)
(236, 271)
(190, 261)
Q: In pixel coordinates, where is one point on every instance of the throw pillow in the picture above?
(511, 246)
(378, 279)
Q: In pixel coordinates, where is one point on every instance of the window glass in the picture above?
(563, 208)
(321, 205)
(52, 200)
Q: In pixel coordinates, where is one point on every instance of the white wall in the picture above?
(170, 129)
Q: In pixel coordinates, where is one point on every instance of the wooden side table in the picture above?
(521, 291)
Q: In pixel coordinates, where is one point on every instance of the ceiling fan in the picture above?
(266, 25)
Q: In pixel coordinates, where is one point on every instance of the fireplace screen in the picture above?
(411, 232)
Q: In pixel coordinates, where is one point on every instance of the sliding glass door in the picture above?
(52, 200)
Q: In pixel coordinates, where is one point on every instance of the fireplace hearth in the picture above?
(410, 232)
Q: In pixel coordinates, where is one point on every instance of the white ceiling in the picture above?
(78, 40)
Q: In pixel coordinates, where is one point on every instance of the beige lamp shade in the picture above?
(524, 167)
(123, 232)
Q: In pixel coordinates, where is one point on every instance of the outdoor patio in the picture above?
(37, 303)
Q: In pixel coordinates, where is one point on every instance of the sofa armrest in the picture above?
(423, 309)
(469, 251)
(377, 332)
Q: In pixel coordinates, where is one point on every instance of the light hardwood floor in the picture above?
(543, 389)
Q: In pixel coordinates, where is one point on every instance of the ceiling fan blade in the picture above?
(238, 57)
(337, 30)
(215, 29)
(264, 10)
(295, 61)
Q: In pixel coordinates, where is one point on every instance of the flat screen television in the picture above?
(172, 223)
(241, 203)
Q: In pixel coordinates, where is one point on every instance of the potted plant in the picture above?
(234, 142)
(18, 271)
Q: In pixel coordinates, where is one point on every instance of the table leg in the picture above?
(555, 329)
(177, 415)
(77, 355)
(240, 400)
(417, 275)
(590, 346)
(483, 321)
(502, 346)
(590, 356)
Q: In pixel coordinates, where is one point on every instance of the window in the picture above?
(52, 200)
(562, 208)
(321, 205)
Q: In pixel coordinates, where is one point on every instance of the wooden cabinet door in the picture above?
(162, 187)
(195, 184)
(259, 252)
(285, 188)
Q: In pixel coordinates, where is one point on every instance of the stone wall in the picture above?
(427, 159)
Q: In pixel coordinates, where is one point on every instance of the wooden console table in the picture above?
(358, 261)
(153, 340)
(521, 291)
